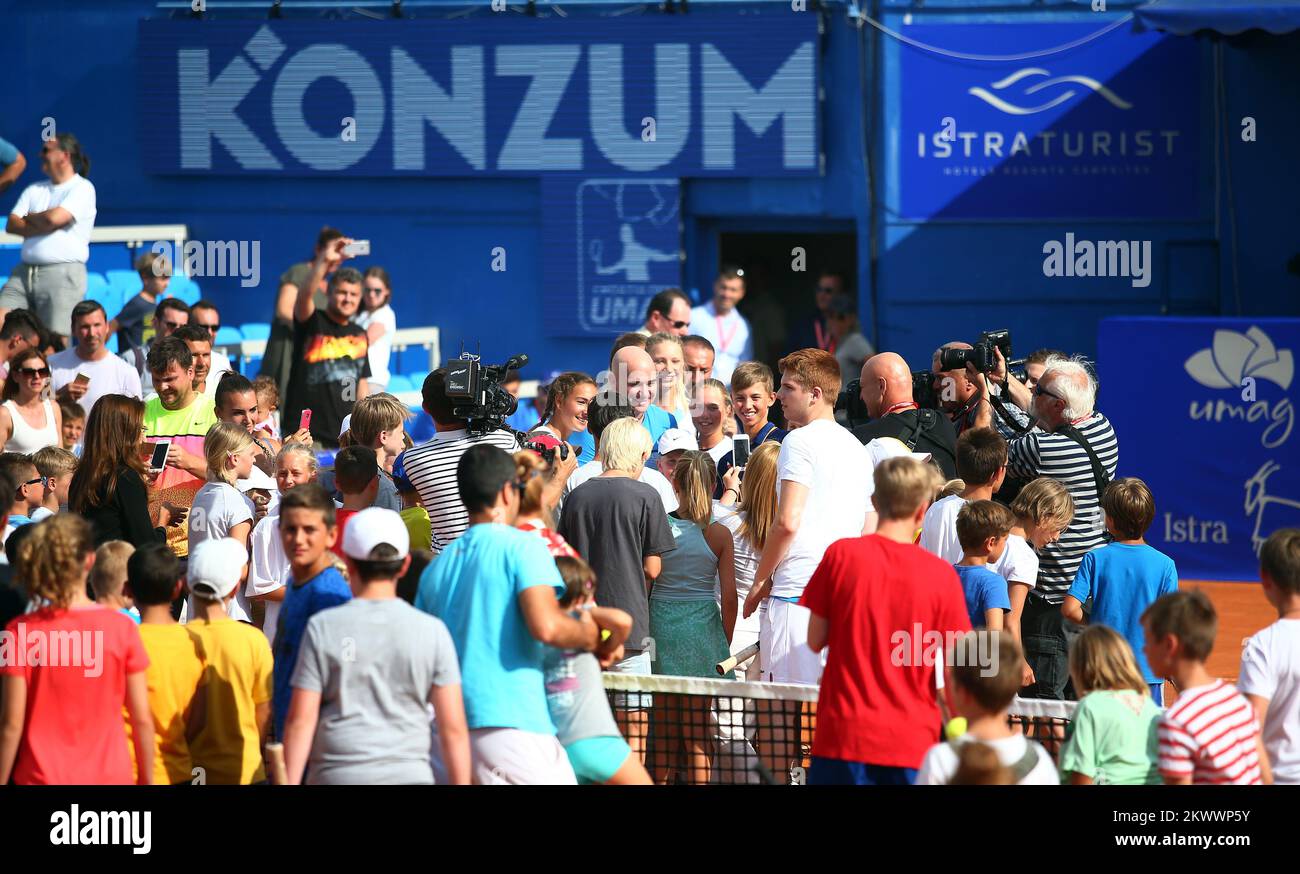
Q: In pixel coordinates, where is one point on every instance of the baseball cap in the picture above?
(214, 568)
(256, 479)
(674, 439)
(884, 448)
(544, 440)
(372, 527)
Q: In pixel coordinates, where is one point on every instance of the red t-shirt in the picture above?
(75, 663)
(341, 518)
(892, 608)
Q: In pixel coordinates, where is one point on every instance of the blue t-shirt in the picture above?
(657, 420)
(474, 588)
(326, 589)
(8, 152)
(984, 590)
(1123, 579)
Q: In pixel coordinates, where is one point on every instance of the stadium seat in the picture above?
(96, 285)
(228, 336)
(126, 280)
(417, 379)
(251, 365)
(255, 331)
(184, 288)
(398, 383)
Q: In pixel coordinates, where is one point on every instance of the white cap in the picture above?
(884, 448)
(257, 479)
(347, 423)
(674, 439)
(371, 527)
(215, 566)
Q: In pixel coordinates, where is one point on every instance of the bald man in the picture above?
(887, 392)
(634, 383)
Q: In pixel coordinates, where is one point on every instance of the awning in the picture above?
(1184, 17)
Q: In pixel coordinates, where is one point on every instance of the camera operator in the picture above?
(430, 468)
(1078, 447)
(961, 397)
(887, 393)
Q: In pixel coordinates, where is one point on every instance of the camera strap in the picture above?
(1099, 475)
(925, 420)
(1000, 406)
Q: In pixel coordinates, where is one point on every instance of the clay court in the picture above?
(1242, 611)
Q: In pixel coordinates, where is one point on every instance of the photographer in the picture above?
(1076, 446)
(961, 398)
(430, 468)
(887, 393)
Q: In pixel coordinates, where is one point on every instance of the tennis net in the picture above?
(692, 730)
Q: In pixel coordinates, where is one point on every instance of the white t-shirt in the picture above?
(109, 375)
(381, 349)
(70, 243)
(724, 446)
(835, 467)
(1019, 562)
(217, 508)
(269, 569)
(219, 365)
(941, 761)
(729, 335)
(1270, 668)
(649, 476)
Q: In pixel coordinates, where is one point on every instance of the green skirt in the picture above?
(688, 638)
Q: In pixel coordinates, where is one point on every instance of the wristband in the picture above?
(730, 489)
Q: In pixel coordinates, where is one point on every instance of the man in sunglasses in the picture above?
(1076, 445)
(205, 315)
(170, 315)
(813, 330)
(669, 312)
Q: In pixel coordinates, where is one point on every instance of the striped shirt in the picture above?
(431, 469)
(1209, 735)
(1040, 453)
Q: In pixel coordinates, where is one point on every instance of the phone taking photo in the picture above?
(357, 248)
(159, 458)
(740, 450)
(304, 421)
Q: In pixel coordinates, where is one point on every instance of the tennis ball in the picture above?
(956, 727)
(604, 634)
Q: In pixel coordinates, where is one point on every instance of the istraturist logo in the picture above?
(1001, 103)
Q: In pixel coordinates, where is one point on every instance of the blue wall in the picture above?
(933, 282)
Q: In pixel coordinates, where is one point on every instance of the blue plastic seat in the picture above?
(127, 280)
(184, 288)
(255, 330)
(398, 383)
(96, 287)
(417, 378)
(228, 336)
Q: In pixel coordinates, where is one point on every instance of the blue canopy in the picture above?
(1223, 16)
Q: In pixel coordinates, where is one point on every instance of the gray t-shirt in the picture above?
(375, 663)
(387, 498)
(132, 320)
(614, 523)
(576, 697)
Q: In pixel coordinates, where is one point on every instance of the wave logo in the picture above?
(1235, 357)
(1000, 103)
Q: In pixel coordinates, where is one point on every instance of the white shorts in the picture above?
(508, 756)
(783, 645)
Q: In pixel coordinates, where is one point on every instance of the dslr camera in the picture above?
(982, 355)
(476, 390)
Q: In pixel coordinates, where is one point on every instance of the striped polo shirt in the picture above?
(1209, 735)
(430, 469)
(1040, 453)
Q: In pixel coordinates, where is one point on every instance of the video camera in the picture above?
(981, 355)
(476, 390)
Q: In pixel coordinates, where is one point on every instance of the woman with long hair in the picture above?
(111, 485)
(61, 722)
(380, 322)
(28, 419)
(568, 399)
(220, 510)
(670, 366)
(538, 497)
(690, 632)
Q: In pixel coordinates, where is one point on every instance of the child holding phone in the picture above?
(753, 391)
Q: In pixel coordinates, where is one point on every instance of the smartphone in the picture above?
(357, 247)
(82, 379)
(740, 450)
(304, 421)
(159, 458)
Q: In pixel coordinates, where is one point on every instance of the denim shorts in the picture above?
(1047, 636)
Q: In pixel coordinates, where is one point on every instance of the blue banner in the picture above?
(610, 244)
(1205, 412)
(677, 95)
(1104, 130)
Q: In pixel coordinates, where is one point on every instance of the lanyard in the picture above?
(898, 408)
(824, 339)
(724, 340)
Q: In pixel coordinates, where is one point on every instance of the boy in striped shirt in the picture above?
(1210, 735)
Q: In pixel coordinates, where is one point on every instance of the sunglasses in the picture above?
(1039, 390)
(829, 289)
(173, 325)
(212, 329)
(32, 482)
(679, 325)
(41, 373)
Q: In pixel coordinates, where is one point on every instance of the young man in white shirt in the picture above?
(88, 371)
(823, 496)
(719, 322)
(54, 219)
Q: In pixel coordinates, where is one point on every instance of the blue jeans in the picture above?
(838, 772)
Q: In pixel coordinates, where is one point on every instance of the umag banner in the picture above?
(609, 245)
(1109, 129)
(673, 95)
(1205, 413)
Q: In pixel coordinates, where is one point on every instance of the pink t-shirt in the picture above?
(75, 663)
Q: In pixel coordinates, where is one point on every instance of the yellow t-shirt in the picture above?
(238, 679)
(419, 527)
(175, 676)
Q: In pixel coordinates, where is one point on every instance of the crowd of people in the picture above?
(190, 596)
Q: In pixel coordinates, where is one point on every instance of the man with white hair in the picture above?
(1077, 446)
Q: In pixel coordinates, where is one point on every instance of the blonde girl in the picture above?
(670, 366)
(220, 509)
